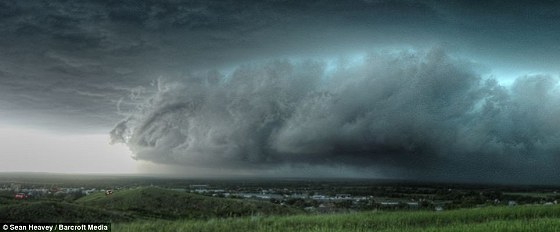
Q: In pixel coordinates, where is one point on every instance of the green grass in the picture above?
(49, 211)
(136, 204)
(169, 204)
(523, 218)
(155, 209)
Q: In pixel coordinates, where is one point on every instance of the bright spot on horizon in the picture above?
(31, 150)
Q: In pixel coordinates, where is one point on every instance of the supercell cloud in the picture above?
(448, 90)
(419, 112)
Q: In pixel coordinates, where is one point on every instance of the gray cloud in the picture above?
(76, 60)
(84, 66)
(417, 114)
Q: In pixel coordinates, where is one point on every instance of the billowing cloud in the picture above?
(66, 65)
(418, 113)
(81, 67)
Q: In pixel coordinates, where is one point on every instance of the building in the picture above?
(343, 196)
(20, 196)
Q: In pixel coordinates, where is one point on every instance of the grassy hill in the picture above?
(521, 218)
(48, 211)
(155, 209)
(135, 204)
(169, 204)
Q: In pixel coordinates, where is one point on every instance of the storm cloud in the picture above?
(456, 90)
(67, 65)
(413, 112)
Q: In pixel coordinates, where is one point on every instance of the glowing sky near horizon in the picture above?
(31, 150)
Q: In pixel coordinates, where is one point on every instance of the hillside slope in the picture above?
(169, 204)
(48, 211)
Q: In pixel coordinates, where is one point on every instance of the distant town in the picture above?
(315, 196)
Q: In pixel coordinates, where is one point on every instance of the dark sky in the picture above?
(427, 90)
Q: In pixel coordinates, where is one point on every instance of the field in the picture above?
(519, 218)
(136, 204)
(177, 206)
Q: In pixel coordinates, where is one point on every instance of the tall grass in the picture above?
(522, 218)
